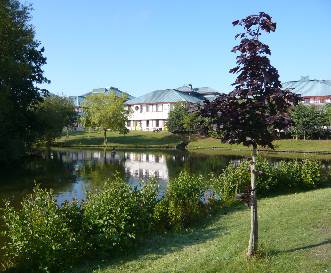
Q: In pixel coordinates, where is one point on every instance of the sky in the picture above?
(141, 46)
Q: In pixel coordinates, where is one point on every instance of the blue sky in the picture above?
(141, 46)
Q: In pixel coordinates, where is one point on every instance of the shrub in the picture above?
(39, 237)
(267, 179)
(271, 177)
(188, 198)
(233, 180)
(114, 216)
(311, 173)
(288, 175)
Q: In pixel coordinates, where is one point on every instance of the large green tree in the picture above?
(54, 113)
(21, 61)
(308, 121)
(185, 122)
(106, 112)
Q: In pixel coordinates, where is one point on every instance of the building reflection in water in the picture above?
(137, 168)
(142, 166)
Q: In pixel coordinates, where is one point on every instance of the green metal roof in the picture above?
(167, 95)
(77, 100)
(307, 87)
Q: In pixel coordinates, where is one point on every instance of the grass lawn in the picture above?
(134, 139)
(140, 139)
(295, 236)
(290, 145)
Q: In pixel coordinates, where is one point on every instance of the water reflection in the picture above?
(71, 173)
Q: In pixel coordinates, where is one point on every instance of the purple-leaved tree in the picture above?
(257, 109)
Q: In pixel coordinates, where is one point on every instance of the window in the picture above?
(172, 106)
(157, 123)
(147, 108)
(128, 123)
(159, 107)
(147, 123)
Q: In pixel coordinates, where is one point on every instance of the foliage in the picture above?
(53, 114)
(105, 111)
(231, 181)
(283, 176)
(187, 199)
(21, 61)
(115, 215)
(185, 122)
(327, 110)
(308, 121)
(39, 235)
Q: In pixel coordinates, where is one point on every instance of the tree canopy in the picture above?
(183, 120)
(258, 106)
(21, 61)
(105, 111)
(53, 114)
(309, 121)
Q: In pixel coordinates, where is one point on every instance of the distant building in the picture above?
(315, 92)
(77, 100)
(150, 111)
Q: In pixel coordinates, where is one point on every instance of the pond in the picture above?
(72, 172)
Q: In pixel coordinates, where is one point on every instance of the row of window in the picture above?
(150, 107)
(148, 123)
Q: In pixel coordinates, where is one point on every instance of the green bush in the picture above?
(113, 216)
(188, 198)
(231, 181)
(271, 177)
(311, 173)
(39, 237)
(288, 175)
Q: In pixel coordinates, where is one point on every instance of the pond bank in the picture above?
(166, 140)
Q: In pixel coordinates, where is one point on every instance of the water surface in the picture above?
(72, 172)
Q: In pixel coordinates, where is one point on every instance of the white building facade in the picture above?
(149, 117)
(150, 112)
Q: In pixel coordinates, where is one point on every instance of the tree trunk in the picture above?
(253, 240)
(105, 137)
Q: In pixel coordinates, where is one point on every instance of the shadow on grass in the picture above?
(276, 252)
(160, 244)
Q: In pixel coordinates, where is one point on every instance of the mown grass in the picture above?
(290, 145)
(134, 139)
(295, 236)
(140, 139)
